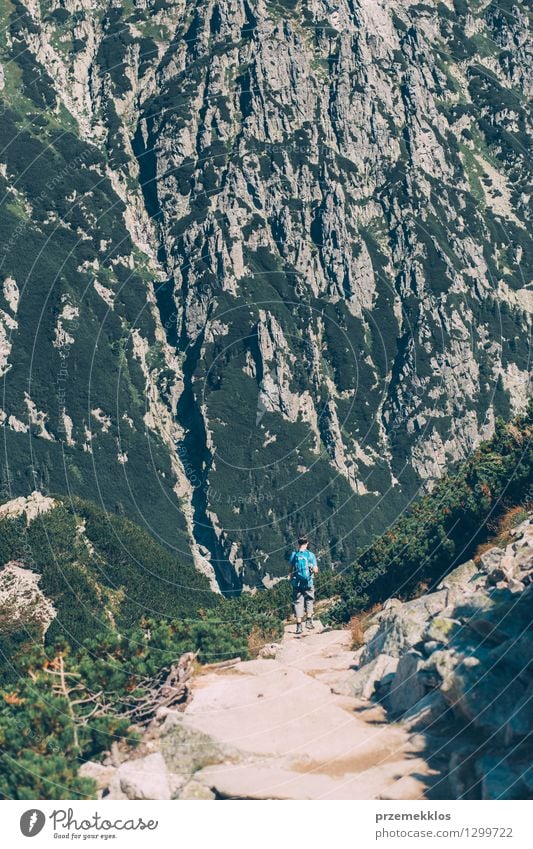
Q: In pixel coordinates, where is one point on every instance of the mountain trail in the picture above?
(295, 737)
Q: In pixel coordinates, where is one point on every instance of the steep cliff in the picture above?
(264, 263)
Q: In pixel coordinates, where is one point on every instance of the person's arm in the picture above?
(315, 564)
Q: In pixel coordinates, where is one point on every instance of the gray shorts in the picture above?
(303, 600)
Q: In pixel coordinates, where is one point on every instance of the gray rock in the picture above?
(504, 570)
(408, 685)
(444, 662)
(525, 527)
(392, 602)
(101, 774)
(526, 537)
(370, 633)
(459, 577)
(466, 660)
(357, 657)
(269, 651)
(361, 683)
(484, 693)
(508, 619)
(177, 783)
(400, 628)
(197, 791)
(441, 629)
(114, 792)
(186, 750)
(491, 559)
(145, 778)
(426, 712)
(524, 556)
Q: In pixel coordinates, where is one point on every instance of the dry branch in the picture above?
(169, 688)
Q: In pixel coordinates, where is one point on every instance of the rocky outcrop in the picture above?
(299, 234)
(31, 506)
(23, 606)
(458, 661)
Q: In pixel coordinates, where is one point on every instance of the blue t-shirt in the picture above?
(311, 561)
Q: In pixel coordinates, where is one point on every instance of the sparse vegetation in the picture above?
(445, 527)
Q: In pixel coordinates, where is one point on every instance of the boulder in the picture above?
(408, 685)
(101, 774)
(399, 628)
(361, 683)
(195, 790)
(357, 657)
(441, 629)
(525, 527)
(113, 792)
(491, 559)
(510, 618)
(145, 778)
(525, 530)
(460, 577)
(392, 602)
(524, 555)
(177, 783)
(504, 570)
(270, 650)
(425, 712)
(444, 662)
(186, 750)
(465, 655)
(484, 693)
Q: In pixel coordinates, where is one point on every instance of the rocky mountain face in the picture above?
(263, 262)
(456, 664)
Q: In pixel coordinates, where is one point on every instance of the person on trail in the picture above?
(303, 567)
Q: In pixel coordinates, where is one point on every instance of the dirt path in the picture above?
(297, 739)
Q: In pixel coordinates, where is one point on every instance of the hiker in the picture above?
(303, 567)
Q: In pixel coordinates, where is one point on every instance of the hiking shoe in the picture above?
(299, 629)
(310, 624)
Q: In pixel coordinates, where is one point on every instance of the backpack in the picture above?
(302, 572)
